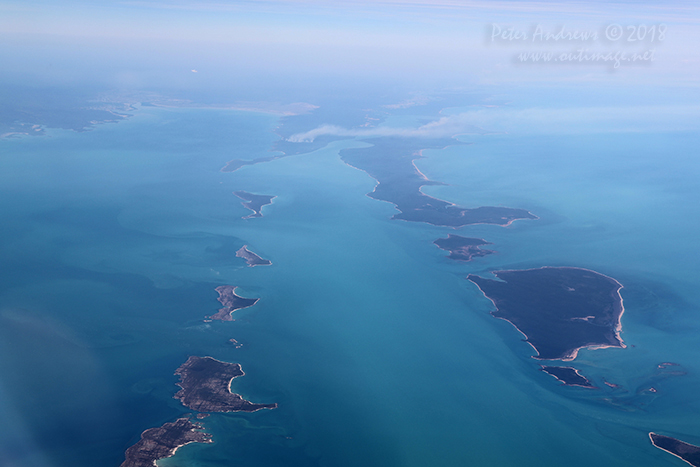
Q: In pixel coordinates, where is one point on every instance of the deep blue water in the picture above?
(373, 344)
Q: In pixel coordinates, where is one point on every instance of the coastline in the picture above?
(684, 444)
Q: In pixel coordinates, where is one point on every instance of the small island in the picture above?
(251, 258)
(568, 375)
(206, 387)
(235, 164)
(231, 302)
(159, 443)
(254, 202)
(462, 248)
(560, 310)
(687, 452)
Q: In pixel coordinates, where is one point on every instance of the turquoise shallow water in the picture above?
(376, 348)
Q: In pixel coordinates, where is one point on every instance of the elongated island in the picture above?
(560, 310)
(390, 161)
(568, 375)
(687, 452)
(251, 258)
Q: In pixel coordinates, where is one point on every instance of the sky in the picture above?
(140, 44)
(601, 63)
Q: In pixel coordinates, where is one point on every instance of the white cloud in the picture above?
(532, 121)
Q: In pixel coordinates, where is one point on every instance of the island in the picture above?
(560, 310)
(159, 443)
(206, 387)
(251, 258)
(231, 302)
(390, 161)
(568, 375)
(462, 248)
(235, 164)
(253, 202)
(687, 452)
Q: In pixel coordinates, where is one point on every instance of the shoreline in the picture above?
(651, 438)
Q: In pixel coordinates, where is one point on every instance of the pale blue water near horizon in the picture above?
(376, 348)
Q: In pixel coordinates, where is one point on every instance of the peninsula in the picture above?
(254, 202)
(462, 248)
(159, 443)
(251, 258)
(231, 302)
(560, 310)
(390, 161)
(687, 452)
(206, 387)
(569, 376)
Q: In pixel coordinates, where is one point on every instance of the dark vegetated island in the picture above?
(206, 387)
(463, 248)
(391, 162)
(569, 376)
(162, 442)
(251, 258)
(688, 452)
(231, 302)
(254, 202)
(235, 164)
(560, 310)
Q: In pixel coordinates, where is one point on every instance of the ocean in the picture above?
(374, 345)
